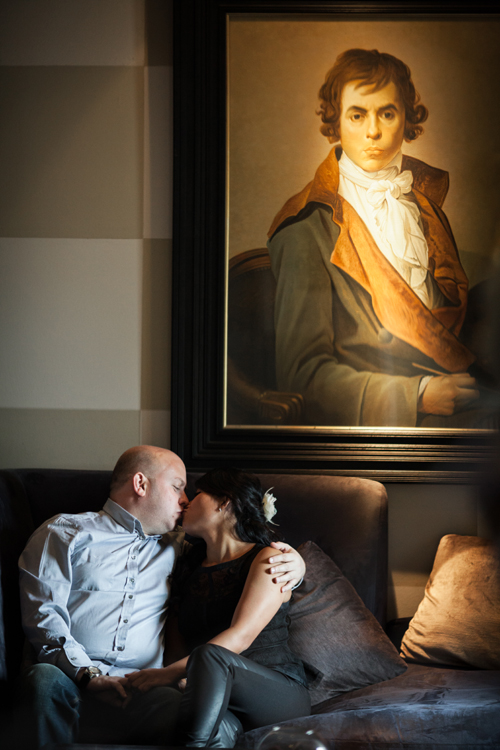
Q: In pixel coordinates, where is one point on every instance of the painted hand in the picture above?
(446, 394)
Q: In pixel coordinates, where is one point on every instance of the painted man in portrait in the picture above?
(371, 296)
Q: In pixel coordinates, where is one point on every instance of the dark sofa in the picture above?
(424, 707)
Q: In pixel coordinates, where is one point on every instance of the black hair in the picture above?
(245, 493)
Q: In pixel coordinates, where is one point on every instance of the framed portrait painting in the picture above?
(335, 224)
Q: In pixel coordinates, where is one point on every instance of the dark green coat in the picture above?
(330, 345)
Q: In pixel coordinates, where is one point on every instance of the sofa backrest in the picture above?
(346, 517)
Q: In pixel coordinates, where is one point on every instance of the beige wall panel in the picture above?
(403, 601)
(71, 148)
(65, 439)
(155, 428)
(158, 152)
(156, 324)
(276, 70)
(72, 32)
(70, 323)
(419, 515)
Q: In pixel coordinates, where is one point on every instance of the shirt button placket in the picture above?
(128, 606)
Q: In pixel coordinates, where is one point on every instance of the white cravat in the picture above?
(393, 221)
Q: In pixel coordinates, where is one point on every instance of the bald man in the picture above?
(94, 593)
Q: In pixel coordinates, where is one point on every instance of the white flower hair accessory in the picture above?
(268, 502)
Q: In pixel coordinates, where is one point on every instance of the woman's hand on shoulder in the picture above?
(289, 566)
(269, 569)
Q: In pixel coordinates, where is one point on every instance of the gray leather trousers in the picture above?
(222, 686)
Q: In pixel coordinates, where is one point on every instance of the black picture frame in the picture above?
(198, 433)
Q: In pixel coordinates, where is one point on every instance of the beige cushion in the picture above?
(458, 621)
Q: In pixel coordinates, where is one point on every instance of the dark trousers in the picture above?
(52, 710)
(219, 680)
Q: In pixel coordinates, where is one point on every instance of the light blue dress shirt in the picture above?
(94, 591)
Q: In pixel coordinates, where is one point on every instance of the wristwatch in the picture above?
(88, 674)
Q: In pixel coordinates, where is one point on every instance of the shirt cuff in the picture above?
(421, 388)
(72, 661)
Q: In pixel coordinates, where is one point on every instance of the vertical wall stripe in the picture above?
(86, 314)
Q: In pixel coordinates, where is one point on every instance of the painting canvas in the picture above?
(362, 222)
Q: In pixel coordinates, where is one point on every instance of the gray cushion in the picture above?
(333, 631)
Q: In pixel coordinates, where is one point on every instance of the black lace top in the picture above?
(207, 598)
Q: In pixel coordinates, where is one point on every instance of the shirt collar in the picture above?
(123, 517)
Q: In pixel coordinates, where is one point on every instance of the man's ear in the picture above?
(140, 483)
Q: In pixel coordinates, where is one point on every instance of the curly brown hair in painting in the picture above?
(375, 69)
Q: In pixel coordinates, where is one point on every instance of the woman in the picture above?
(228, 603)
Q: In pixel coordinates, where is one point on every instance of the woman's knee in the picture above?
(209, 659)
(208, 652)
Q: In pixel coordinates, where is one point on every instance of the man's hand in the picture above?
(446, 394)
(109, 689)
(145, 679)
(290, 566)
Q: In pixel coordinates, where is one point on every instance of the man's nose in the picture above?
(184, 500)
(373, 127)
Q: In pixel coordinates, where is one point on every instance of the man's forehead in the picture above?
(359, 92)
(174, 470)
